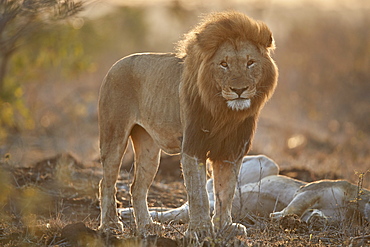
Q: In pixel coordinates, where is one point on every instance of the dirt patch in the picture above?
(54, 202)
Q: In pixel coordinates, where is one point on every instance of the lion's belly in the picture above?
(164, 126)
(167, 137)
(169, 145)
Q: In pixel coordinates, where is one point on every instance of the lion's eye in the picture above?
(250, 63)
(224, 64)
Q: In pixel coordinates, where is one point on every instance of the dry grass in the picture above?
(41, 211)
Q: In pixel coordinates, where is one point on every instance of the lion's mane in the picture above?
(212, 121)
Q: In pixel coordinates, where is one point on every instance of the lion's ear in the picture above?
(270, 42)
(199, 37)
(205, 44)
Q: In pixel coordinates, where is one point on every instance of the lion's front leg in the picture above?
(225, 175)
(194, 170)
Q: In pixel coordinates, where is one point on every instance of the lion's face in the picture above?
(237, 72)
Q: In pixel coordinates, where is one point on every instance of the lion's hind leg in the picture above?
(113, 143)
(300, 203)
(147, 155)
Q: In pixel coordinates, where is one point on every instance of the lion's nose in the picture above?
(239, 91)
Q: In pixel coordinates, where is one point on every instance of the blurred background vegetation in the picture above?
(319, 117)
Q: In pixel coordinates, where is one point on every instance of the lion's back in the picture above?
(143, 89)
(145, 80)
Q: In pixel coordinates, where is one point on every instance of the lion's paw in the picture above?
(200, 231)
(111, 227)
(233, 230)
(315, 219)
(277, 215)
(153, 228)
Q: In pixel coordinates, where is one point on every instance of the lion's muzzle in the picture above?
(238, 98)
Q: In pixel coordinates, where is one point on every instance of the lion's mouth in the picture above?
(239, 104)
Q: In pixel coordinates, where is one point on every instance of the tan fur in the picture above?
(253, 169)
(262, 192)
(202, 102)
(337, 201)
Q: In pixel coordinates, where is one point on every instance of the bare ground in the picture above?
(54, 202)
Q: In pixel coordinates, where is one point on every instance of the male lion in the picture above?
(203, 101)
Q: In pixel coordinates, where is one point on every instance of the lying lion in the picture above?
(262, 192)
